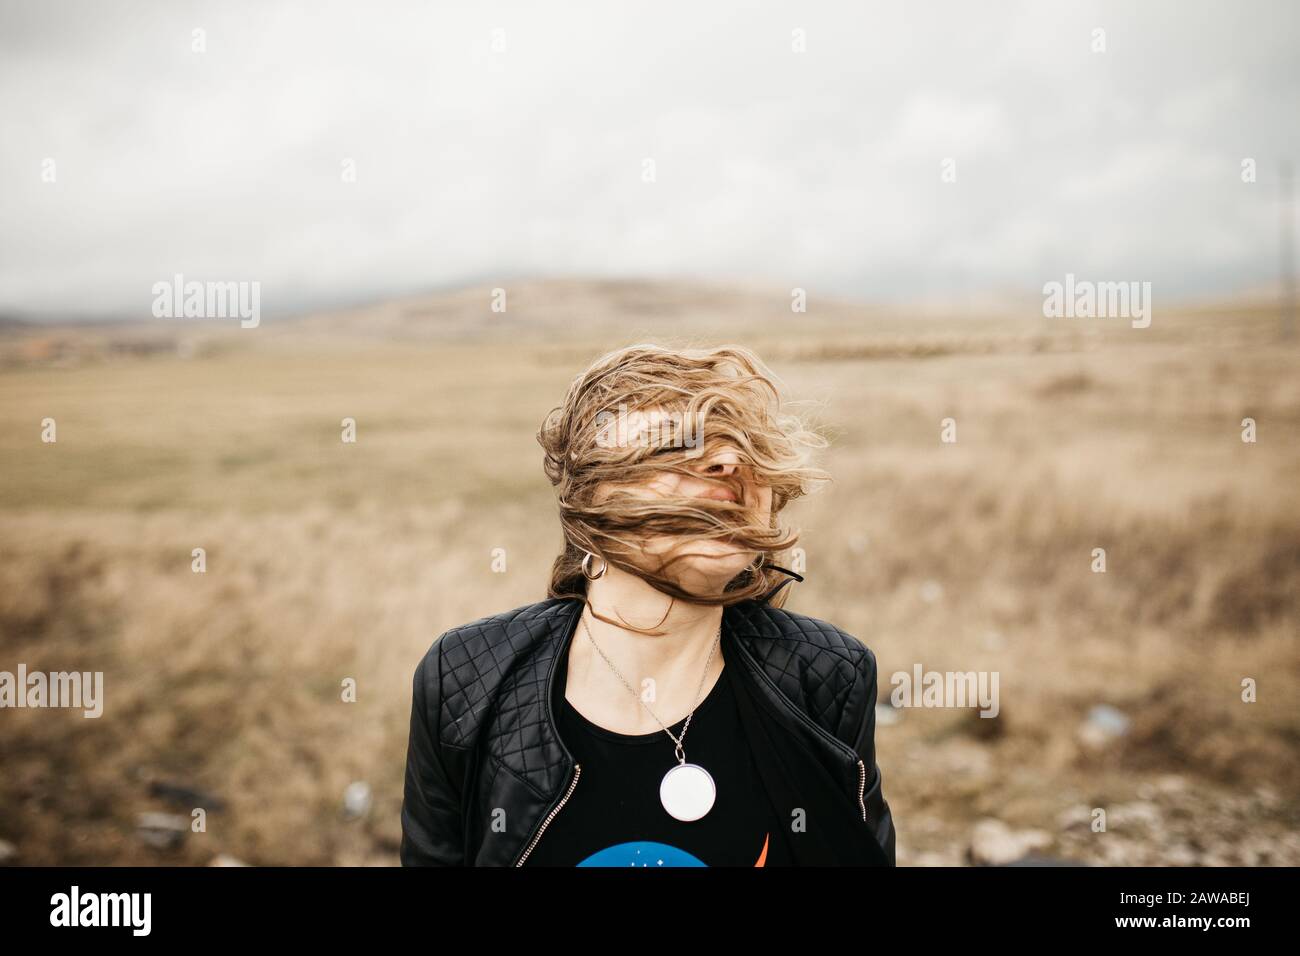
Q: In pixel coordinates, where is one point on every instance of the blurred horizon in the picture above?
(1004, 303)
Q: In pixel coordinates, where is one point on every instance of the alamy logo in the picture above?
(102, 909)
(56, 689)
(1085, 299)
(208, 300)
(923, 688)
(656, 428)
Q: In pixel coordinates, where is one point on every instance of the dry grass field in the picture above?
(328, 560)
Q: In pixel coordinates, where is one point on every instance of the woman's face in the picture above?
(712, 561)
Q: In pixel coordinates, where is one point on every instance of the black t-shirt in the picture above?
(614, 816)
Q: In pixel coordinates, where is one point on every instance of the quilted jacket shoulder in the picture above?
(474, 660)
(824, 669)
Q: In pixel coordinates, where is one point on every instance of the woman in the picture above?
(660, 707)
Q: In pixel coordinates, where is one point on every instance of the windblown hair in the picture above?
(710, 398)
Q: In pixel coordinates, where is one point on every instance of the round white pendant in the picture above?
(687, 791)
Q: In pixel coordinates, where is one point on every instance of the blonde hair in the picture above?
(735, 397)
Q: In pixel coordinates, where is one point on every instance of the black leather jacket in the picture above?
(486, 771)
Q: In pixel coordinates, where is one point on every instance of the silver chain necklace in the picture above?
(687, 790)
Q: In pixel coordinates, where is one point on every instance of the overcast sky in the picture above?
(821, 169)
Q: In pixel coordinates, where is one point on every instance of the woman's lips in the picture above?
(721, 494)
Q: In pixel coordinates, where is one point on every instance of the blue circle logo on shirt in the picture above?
(642, 853)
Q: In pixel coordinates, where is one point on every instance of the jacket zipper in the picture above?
(862, 786)
(577, 771)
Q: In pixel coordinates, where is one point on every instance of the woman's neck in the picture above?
(674, 661)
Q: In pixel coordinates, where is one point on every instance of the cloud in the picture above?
(820, 169)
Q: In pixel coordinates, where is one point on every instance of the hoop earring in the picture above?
(586, 567)
(757, 565)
